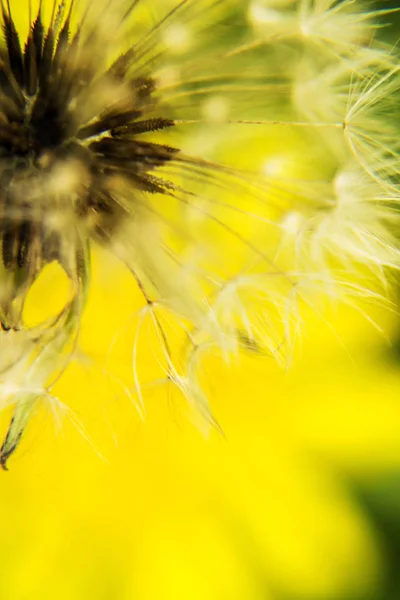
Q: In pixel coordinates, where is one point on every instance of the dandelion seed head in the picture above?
(343, 27)
(123, 127)
(322, 94)
(325, 19)
(345, 228)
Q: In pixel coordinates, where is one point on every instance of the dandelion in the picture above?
(116, 130)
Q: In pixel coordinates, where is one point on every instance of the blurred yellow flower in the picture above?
(258, 512)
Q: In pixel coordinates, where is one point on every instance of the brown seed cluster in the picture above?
(57, 109)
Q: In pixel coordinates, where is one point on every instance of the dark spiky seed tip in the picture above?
(10, 444)
(44, 86)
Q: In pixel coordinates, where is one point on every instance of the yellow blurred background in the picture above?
(154, 509)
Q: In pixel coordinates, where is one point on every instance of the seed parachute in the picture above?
(238, 158)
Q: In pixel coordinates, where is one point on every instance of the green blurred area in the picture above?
(393, 31)
(382, 499)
